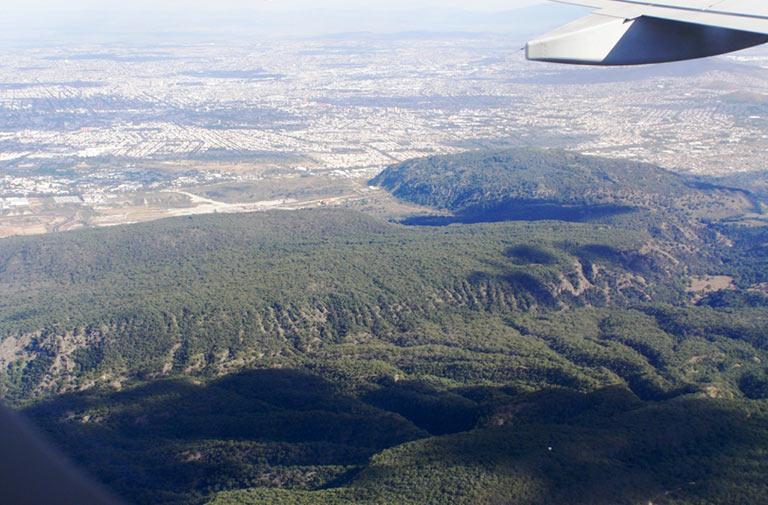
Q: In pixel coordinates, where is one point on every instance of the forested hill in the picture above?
(214, 293)
(478, 181)
(330, 357)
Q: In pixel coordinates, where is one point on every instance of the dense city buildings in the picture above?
(85, 130)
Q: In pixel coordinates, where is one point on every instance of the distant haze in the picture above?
(267, 4)
(87, 21)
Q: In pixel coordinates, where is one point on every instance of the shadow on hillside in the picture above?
(629, 260)
(178, 442)
(524, 211)
(609, 448)
(271, 405)
(175, 442)
(527, 289)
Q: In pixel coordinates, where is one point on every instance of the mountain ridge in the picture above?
(328, 356)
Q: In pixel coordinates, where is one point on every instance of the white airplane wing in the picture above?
(633, 32)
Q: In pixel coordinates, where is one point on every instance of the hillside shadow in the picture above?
(632, 261)
(179, 442)
(438, 412)
(271, 405)
(609, 448)
(516, 210)
(527, 254)
(175, 441)
(525, 288)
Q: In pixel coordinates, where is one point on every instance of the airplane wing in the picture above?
(633, 32)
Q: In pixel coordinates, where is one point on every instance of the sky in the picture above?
(476, 5)
(208, 20)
